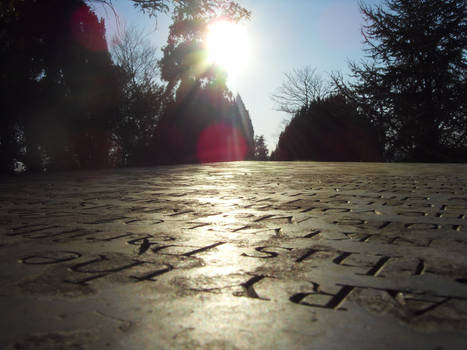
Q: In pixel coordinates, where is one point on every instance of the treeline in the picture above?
(329, 129)
(69, 103)
(405, 102)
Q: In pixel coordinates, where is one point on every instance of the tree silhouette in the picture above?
(204, 126)
(60, 89)
(184, 62)
(133, 52)
(299, 89)
(414, 84)
(229, 8)
(142, 103)
(242, 122)
(203, 122)
(66, 105)
(261, 150)
(328, 130)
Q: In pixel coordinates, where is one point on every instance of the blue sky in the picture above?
(284, 34)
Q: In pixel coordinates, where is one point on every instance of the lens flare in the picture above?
(221, 142)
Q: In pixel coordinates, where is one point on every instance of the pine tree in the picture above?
(261, 150)
(413, 85)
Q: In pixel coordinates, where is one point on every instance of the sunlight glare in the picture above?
(227, 46)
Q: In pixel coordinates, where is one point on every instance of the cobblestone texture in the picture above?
(242, 255)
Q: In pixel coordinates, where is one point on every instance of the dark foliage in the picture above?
(261, 150)
(58, 86)
(203, 125)
(329, 130)
(140, 112)
(66, 105)
(414, 83)
(142, 98)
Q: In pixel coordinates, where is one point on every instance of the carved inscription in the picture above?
(293, 236)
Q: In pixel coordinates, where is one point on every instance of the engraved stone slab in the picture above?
(242, 255)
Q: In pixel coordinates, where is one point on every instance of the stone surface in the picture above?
(236, 256)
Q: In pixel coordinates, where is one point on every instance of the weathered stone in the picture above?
(236, 256)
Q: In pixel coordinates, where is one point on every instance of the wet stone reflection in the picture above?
(239, 255)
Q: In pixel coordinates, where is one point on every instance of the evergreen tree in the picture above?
(204, 126)
(242, 122)
(203, 122)
(261, 150)
(414, 85)
(58, 87)
(64, 104)
(330, 129)
(184, 62)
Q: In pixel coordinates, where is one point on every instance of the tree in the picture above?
(413, 85)
(142, 100)
(242, 121)
(261, 150)
(136, 56)
(330, 129)
(202, 121)
(299, 89)
(204, 126)
(228, 8)
(64, 104)
(59, 88)
(184, 62)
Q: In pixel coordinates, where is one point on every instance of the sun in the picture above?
(228, 46)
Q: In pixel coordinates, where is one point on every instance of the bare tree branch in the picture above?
(134, 53)
(299, 89)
